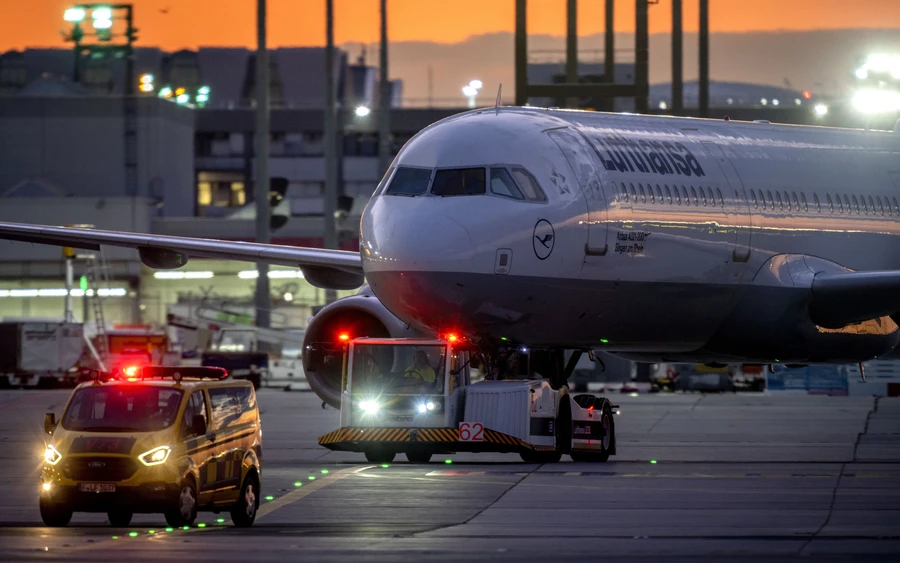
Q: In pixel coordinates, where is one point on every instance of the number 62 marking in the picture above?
(471, 432)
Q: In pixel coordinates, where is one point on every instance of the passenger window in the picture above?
(659, 196)
(816, 202)
(624, 192)
(668, 195)
(694, 195)
(778, 199)
(762, 198)
(830, 203)
(409, 181)
(458, 181)
(226, 410)
(633, 193)
(872, 204)
(530, 187)
(684, 195)
(880, 204)
(847, 204)
(840, 203)
(196, 405)
(755, 201)
(855, 205)
(803, 201)
(795, 200)
(643, 194)
(787, 201)
(703, 196)
(721, 199)
(771, 199)
(502, 184)
(896, 206)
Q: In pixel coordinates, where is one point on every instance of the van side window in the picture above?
(225, 407)
(196, 406)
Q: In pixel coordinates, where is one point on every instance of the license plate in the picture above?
(97, 488)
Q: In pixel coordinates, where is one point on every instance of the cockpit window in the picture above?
(503, 184)
(529, 185)
(409, 181)
(459, 181)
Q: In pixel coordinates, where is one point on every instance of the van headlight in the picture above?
(155, 456)
(52, 455)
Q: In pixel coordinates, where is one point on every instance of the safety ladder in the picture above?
(97, 274)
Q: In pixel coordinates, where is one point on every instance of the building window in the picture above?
(219, 191)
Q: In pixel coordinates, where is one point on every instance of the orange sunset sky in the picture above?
(174, 24)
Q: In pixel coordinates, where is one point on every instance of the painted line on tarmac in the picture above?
(298, 494)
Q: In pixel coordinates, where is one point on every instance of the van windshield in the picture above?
(122, 408)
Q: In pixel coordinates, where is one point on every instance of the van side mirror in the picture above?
(198, 425)
(49, 422)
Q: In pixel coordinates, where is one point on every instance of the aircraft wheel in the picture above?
(379, 456)
(418, 457)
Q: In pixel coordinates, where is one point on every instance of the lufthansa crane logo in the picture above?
(543, 239)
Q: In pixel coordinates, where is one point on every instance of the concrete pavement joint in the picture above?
(834, 491)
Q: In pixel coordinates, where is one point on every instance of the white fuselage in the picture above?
(661, 230)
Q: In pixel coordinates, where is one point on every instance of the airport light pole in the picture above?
(677, 59)
(704, 59)
(384, 118)
(330, 193)
(261, 185)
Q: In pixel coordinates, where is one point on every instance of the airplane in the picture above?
(658, 239)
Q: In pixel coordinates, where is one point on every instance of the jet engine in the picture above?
(351, 317)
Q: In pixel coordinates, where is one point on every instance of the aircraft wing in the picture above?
(843, 298)
(331, 269)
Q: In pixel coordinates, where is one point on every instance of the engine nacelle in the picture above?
(357, 316)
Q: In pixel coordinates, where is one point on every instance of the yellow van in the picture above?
(171, 441)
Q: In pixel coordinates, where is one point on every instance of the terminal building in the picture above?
(65, 162)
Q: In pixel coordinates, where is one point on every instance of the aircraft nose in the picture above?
(406, 236)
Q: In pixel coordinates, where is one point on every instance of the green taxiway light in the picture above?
(151, 532)
(324, 472)
(220, 520)
(201, 525)
(270, 497)
(133, 534)
(115, 537)
(604, 341)
(503, 338)
(448, 461)
(185, 527)
(298, 484)
(384, 465)
(312, 478)
(653, 461)
(170, 529)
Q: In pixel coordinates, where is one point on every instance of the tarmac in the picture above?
(737, 477)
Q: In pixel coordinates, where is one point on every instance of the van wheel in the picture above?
(379, 456)
(243, 512)
(185, 511)
(119, 518)
(54, 514)
(418, 457)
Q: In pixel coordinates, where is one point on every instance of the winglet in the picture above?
(497, 103)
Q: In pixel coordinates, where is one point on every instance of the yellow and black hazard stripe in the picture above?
(437, 435)
(495, 437)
